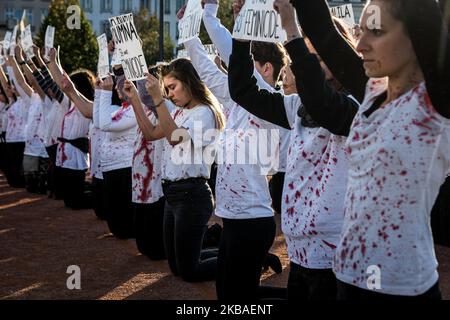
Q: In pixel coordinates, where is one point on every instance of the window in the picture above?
(106, 6)
(126, 6)
(167, 6)
(167, 28)
(86, 5)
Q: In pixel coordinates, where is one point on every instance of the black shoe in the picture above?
(274, 263)
(212, 236)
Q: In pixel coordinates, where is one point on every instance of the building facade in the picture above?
(98, 12)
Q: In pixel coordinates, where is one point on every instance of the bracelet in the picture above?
(158, 104)
(22, 62)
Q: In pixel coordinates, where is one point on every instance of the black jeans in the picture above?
(51, 178)
(189, 206)
(99, 203)
(311, 284)
(276, 190)
(14, 164)
(119, 204)
(348, 292)
(72, 184)
(149, 219)
(440, 216)
(243, 249)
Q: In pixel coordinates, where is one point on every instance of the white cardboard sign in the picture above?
(259, 21)
(13, 43)
(210, 48)
(2, 59)
(7, 42)
(103, 57)
(49, 40)
(189, 26)
(27, 42)
(129, 47)
(344, 12)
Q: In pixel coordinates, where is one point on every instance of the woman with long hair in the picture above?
(398, 144)
(186, 164)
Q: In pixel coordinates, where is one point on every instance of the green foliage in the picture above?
(148, 28)
(79, 47)
(225, 14)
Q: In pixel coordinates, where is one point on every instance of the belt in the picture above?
(170, 183)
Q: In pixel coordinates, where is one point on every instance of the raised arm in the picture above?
(150, 131)
(219, 35)
(96, 108)
(16, 74)
(244, 90)
(329, 108)
(343, 61)
(208, 71)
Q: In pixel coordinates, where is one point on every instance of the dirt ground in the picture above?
(40, 239)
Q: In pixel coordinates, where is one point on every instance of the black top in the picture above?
(317, 95)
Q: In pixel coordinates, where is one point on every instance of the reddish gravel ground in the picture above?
(40, 238)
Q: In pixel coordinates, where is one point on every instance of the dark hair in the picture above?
(84, 81)
(424, 24)
(183, 70)
(273, 53)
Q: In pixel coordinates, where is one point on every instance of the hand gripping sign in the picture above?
(49, 41)
(103, 57)
(259, 21)
(27, 42)
(129, 47)
(189, 26)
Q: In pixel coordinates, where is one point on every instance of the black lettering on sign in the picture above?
(341, 12)
(134, 67)
(259, 24)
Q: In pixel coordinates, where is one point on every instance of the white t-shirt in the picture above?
(3, 115)
(398, 159)
(119, 125)
(96, 137)
(314, 191)
(186, 160)
(35, 129)
(74, 126)
(146, 171)
(54, 115)
(17, 120)
(242, 185)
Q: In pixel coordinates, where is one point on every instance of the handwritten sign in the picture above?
(129, 47)
(259, 21)
(12, 45)
(7, 42)
(210, 48)
(49, 40)
(345, 13)
(27, 42)
(103, 57)
(189, 26)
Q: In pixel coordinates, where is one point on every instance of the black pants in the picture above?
(72, 186)
(189, 206)
(119, 204)
(311, 284)
(2, 156)
(148, 219)
(99, 203)
(51, 178)
(440, 216)
(243, 249)
(349, 292)
(35, 173)
(14, 164)
(276, 190)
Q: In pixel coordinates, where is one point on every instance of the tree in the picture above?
(148, 28)
(79, 48)
(225, 14)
